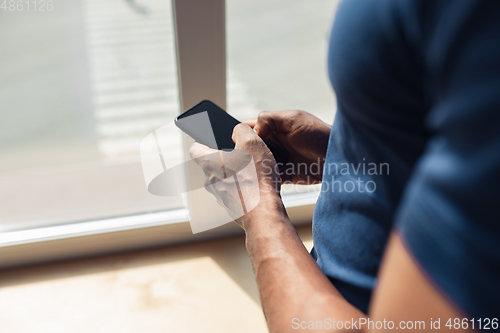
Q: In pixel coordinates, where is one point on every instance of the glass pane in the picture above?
(277, 58)
(81, 86)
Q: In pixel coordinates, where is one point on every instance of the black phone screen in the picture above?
(221, 122)
(220, 128)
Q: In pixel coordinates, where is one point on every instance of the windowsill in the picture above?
(160, 290)
(124, 233)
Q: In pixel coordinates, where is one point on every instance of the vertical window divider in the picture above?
(200, 39)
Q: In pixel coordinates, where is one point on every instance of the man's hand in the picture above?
(244, 181)
(290, 282)
(303, 136)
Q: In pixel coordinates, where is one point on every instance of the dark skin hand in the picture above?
(293, 289)
(302, 135)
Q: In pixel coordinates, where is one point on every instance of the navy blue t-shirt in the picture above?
(415, 146)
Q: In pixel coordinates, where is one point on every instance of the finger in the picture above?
(208, 186)
(243, 133)
(268, 122)
(251, 122)
(235, 161)
(210, 162)
(198, 150)
(272, 137)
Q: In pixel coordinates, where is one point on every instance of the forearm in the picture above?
(290, 282)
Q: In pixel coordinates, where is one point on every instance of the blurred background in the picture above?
(81, 86)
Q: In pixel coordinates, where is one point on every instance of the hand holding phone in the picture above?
(217, 132)
(303, 136)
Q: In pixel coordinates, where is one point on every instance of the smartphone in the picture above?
(217, 132)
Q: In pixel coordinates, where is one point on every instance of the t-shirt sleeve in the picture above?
(449, 216)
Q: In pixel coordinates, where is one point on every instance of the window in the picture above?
(80, 87)
(277, 60)
(83, 84)
(277, 57)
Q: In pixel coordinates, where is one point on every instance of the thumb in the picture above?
(243, 133)
(198, 150)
